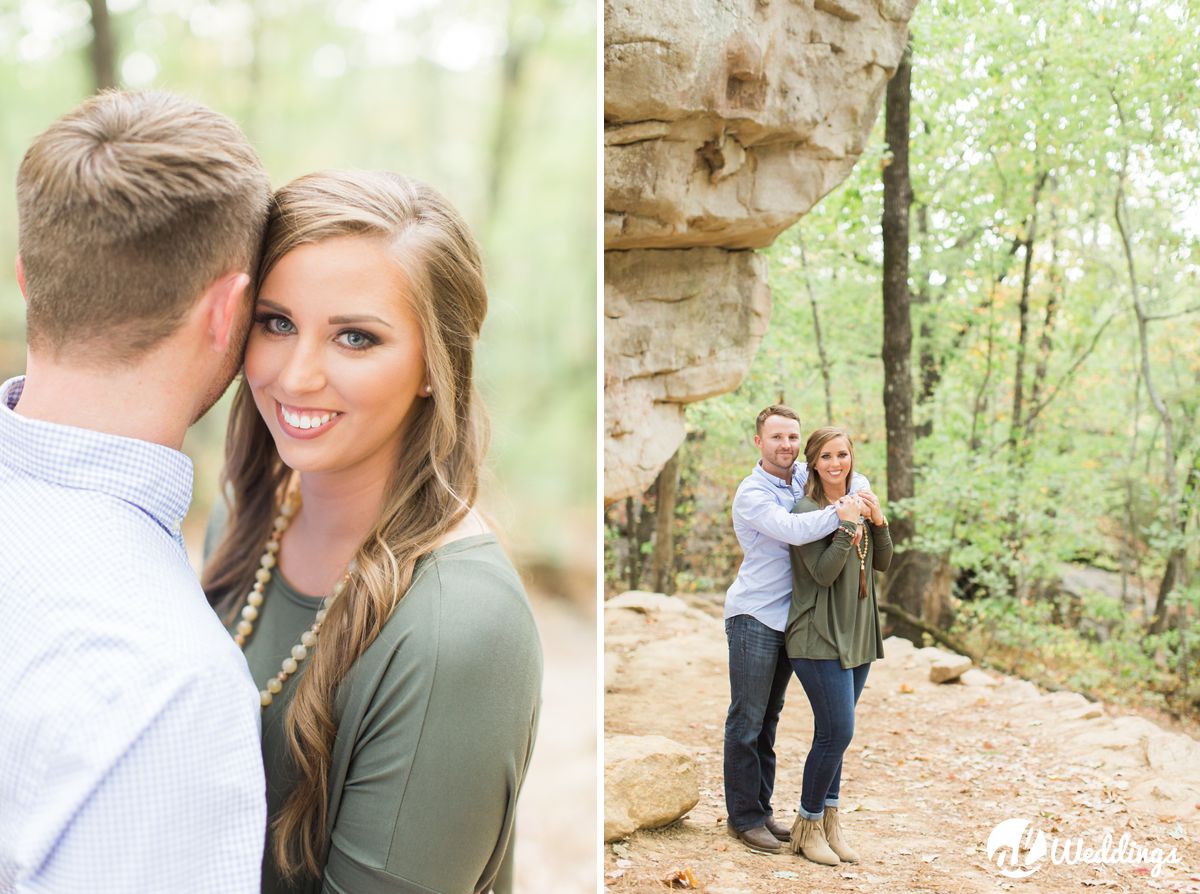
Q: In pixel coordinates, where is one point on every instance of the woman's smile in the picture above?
(300, 422)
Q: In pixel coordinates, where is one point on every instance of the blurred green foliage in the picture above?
(492, 101)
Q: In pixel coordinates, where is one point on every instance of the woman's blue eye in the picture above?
(276, 324)
(357, 340)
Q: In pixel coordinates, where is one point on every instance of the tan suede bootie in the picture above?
(808, 838)
(835, 838)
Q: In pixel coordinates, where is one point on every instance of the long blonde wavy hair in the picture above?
(433, 486)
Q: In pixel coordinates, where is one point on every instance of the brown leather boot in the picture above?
(779, 830)
(758, 839)
(808, 838)
(833, 835)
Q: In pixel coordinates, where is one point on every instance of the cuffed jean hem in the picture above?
(807, 814)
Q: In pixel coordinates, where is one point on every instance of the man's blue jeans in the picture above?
(759, 672)
(832, 692)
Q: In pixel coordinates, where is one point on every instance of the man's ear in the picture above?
(223, 300)
(21, 277)
(758, 440)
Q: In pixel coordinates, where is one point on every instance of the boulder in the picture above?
(679, 326)
(649, 782)
(949, 668)
(898, 647)
(646, 603)
(976, 677)
(725, 122)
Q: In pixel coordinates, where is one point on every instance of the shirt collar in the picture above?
(777, 482)
(152, 477)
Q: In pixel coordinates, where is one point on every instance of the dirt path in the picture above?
(556, 816)
(932, 770)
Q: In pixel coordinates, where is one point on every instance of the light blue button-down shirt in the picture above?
(765, 527)
(129, 748)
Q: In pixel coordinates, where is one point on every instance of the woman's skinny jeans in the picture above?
(832, 692)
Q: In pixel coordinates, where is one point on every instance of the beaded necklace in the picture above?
(254, 601)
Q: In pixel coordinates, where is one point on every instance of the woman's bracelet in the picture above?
(848, 526)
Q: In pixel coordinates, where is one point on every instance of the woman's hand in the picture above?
(871, 507)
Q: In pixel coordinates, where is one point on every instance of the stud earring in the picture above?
(428, 389)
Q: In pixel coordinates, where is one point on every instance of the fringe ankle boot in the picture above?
(835, 838)
(808, 838)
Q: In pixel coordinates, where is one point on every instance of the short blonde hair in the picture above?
(774, 410)
(129, 207)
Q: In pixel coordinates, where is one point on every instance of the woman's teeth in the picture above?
(299, 420)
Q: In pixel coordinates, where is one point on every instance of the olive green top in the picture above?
(827, 619)
(436, 725)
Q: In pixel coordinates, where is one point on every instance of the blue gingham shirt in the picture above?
(129, 748)
(766, 527)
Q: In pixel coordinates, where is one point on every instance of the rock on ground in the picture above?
(649, 781)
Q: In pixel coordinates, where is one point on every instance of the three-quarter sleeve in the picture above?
(429, 798)
(882, 558)
(826, 559)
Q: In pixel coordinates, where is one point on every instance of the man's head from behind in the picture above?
(131, 207)
(777, 436)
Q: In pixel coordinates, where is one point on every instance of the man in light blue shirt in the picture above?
(129, 750)
(756, 611)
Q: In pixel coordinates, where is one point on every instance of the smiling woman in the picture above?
(353, 551)
(832, 633)
(336, 360)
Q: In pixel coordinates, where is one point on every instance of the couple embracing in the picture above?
(813, 535)
(354, 606)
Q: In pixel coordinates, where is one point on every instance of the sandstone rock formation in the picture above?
(649, 781)
(725, 122)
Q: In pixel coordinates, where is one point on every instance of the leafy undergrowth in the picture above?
(1113, 659)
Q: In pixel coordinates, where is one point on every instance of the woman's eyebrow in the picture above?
(271, 304)
(359, 318)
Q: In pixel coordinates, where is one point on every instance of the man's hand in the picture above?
(848, 508)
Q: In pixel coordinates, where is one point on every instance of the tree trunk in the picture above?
(911, 569)
(103, 50)
(664, 535)
(1174, 571)
(812, 299)
(1046, 342)
(520, 43)
(1023, 313)
(928, 363)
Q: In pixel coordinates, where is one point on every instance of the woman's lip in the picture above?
(305, 411)
(303, 434)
